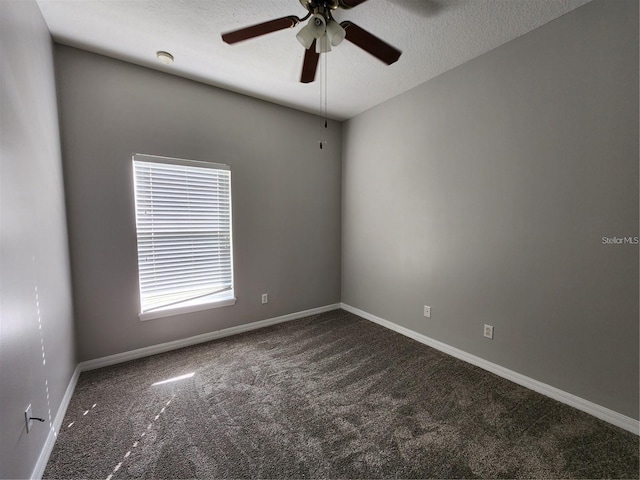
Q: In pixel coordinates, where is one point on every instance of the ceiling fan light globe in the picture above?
(305, 37)
(335, 33)
(323, 45)
(317, 25)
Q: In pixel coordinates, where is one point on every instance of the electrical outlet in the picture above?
(488, 331)
(265, 298)
(27, 418)
(427, 311)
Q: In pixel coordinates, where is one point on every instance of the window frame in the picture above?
(210, 301)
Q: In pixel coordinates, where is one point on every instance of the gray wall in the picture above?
(485, 192)
(35, 300)
(286, 196)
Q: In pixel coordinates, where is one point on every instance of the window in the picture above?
(183, 223)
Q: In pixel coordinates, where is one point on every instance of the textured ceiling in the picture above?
(434, 35)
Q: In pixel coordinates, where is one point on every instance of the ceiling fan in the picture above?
(320, 33)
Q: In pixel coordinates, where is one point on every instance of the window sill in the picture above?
(179, 310)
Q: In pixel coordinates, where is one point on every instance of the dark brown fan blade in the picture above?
(310, 64)
(370, 43)
(350, 3)
(260, 29)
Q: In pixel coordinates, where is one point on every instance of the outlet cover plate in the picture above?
(488, 331)
(265, 298)
(27, 418)
(427, 311)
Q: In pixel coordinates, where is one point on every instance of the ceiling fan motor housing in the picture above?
(325, 6)
(313, 5)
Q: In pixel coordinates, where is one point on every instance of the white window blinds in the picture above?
(183, 220)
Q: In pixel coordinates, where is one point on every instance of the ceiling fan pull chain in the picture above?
(322, 104)
(326, 78)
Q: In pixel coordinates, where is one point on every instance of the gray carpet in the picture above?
(328, 396)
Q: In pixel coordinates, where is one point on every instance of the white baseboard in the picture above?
(591, 408)
(205, 337)
(41, 464)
